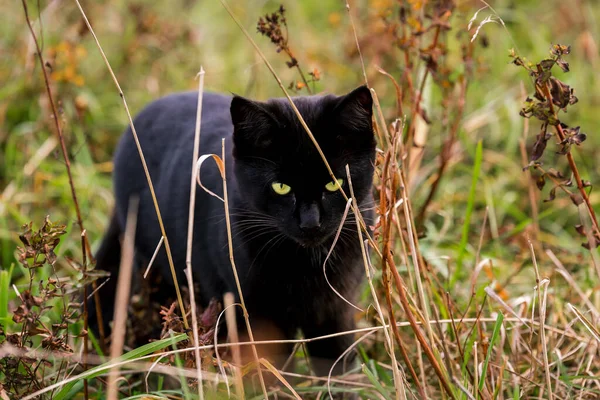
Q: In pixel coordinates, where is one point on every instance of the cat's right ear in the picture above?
(252, 122)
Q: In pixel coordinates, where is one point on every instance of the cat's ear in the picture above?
(252, 122)
(355, 109)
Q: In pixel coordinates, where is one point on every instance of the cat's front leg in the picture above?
(324, 353)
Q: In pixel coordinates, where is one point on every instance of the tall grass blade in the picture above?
(488, 356)
(5, 276)
(102, 369)
(468, 214)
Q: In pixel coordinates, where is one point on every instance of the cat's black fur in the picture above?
(280, 242)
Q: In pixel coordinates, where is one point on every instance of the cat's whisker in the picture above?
(273, 241)
(256, 236)
(252, 225)
(282, 237)
(254, 217)
(361, 209)
(262, 159)
(258, 227)
(258, 232)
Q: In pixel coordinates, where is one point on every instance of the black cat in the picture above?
(285, 209)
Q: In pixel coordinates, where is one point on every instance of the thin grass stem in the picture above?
(144, 165)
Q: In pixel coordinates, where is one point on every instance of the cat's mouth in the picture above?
(311, 240)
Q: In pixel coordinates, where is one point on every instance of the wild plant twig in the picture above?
(413, 323)
(190, 232)
(232, 332)
(270, 27)
(571, 160)
(457, 336)
(362, 61)
(122, 295)
(276, 373)
(85, 314)
(59, 132)
(99, 317)
(235, 274)
(530, 184)
(417, 104)
(413, 243)
(380, 123)
(558, 184)
(151, 262)
(385, 228)
(399, 181)
(332, 248)
(542, 286)
(399, 96)
(341, 356)
(144, 165)
(398, 376)
(476, 369)
(560, 268)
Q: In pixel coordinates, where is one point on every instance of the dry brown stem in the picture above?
(235, 274)
(122, 295)
(571, 160)
(386, 229)
(190, 233)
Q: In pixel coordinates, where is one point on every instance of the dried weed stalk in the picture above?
(44, 316)
(551, 96)
(274, 26)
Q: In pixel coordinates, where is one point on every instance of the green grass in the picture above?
(5, 289)
(66, 391)
(157, 49)
(468, 213)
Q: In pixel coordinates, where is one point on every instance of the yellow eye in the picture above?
(333, 185)
(281, 188)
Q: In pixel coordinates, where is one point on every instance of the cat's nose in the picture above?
(310, 217)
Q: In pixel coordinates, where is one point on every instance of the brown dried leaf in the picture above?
(563, 65)
(539, 146)
(540, 182)
(576, 198)
(547, 64)
(554, 173)
(552, 195)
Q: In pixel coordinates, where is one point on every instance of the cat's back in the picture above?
(165, 129)
(170, 121)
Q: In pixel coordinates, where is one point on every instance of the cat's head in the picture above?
(279, 171)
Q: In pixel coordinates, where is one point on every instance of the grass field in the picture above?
(470, 236)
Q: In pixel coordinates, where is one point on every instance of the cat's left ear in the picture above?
(252, 122)
(355, 109)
